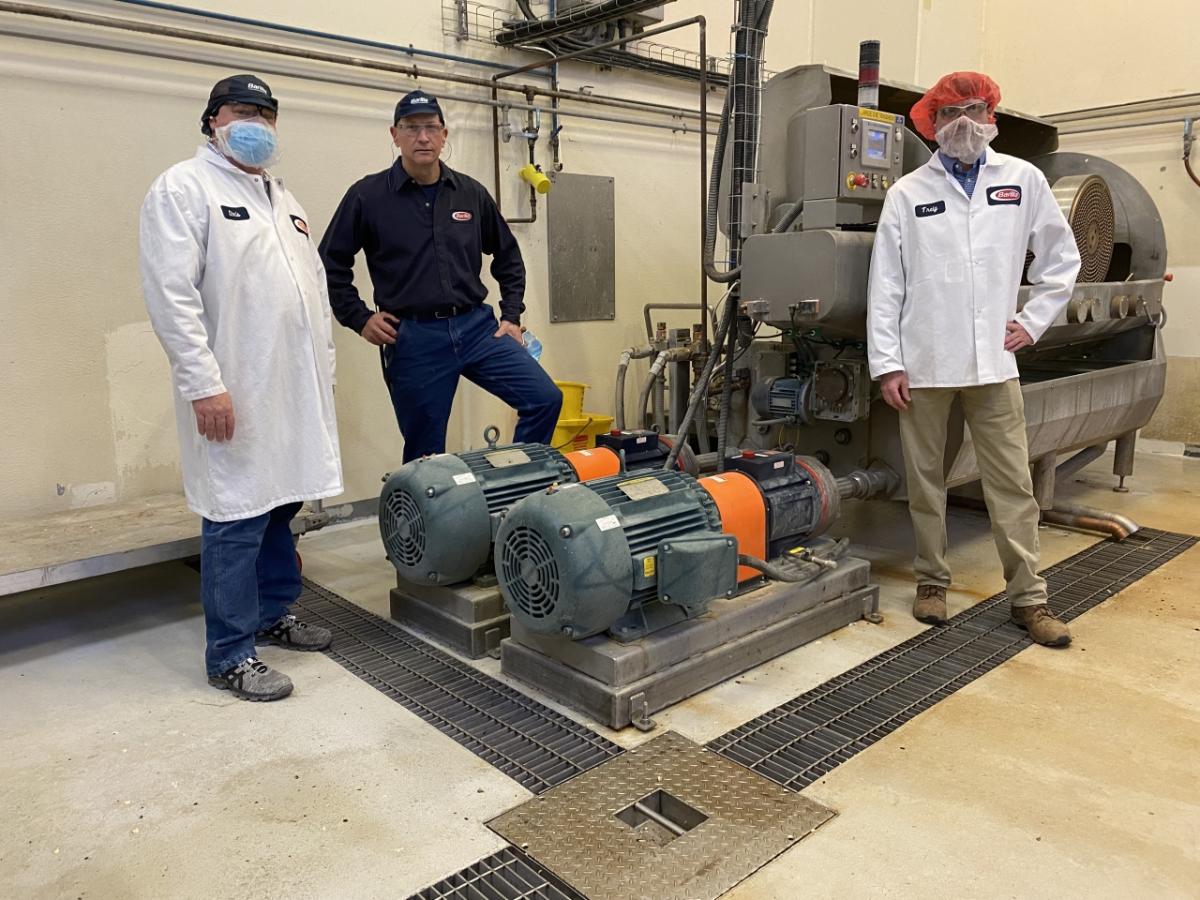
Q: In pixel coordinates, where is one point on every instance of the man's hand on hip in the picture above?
(380, 329)
(895, 390)
(513, 331)
(214, 417)
(1016, 337)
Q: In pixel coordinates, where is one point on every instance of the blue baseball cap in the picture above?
(415, 103)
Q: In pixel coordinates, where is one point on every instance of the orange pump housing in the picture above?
(743, 515)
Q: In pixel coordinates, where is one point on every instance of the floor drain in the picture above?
(660, 817)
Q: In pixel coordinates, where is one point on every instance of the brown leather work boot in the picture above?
(930, 605)
(1042, 625)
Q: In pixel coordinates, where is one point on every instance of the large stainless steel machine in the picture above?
(1096, 376)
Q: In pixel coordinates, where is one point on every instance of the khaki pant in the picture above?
(995, 413)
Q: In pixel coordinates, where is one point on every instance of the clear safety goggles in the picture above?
(974, 109)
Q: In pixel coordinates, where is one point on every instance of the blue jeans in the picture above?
(249, 576)
(422, 370)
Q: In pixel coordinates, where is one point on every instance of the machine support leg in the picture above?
(1043, 480)
(1123, 460)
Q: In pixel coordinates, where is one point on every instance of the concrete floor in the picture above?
(1060, 773)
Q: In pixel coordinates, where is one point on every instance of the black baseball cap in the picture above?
(237, 89)
(415, 103)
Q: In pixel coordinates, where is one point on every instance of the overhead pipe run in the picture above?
(407, 49)
(679, 117)
(1153, 104)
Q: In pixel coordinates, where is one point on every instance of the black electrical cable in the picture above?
(778, 572)
(747, 51)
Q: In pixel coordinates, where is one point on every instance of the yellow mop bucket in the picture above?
(576, 429)
(572, 406)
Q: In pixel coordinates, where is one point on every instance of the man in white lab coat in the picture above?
(236, 294)
(943, 324)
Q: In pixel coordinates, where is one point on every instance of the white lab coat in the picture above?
(945, 271)
(237, 295)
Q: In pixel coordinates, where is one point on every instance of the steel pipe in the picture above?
(1153, 104)
(409, 71)
(864, 484)
(1088, 518)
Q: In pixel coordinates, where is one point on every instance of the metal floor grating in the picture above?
(508, 874)
(798, 742)
(529, 742)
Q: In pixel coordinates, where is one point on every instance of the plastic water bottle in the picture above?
(533, 345)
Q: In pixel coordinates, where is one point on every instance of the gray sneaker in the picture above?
(253, 680)
(293, 634)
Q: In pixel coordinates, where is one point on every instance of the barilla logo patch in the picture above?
(237, 213)
(461, 215)
(1004, 194)
(256, 87)
(301, 225)
(419, 100)
(929, 209)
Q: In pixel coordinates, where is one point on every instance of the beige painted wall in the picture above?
(87, 401)
(1115, 53)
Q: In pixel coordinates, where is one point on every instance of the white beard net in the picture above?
(964, 139)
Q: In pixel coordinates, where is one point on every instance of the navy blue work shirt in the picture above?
(422, 256)
(964, 175)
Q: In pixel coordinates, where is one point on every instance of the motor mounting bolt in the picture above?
(430, 492)
(565, 531)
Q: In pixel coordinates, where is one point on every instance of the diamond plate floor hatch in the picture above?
(524, 739)
(798, 742)
(703, 824)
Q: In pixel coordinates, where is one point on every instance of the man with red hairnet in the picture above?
(943, 324)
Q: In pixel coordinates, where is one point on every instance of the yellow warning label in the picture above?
(648, 567)
(876, 115)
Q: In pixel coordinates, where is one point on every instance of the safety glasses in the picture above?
(972, 110)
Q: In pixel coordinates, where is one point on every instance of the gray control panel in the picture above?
(841, 160)
(872, 152)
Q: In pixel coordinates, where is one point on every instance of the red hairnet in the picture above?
(951, 90)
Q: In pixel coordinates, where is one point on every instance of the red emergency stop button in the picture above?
(747, 454)
(1168, 277)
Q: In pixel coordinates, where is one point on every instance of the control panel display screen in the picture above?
(875, 153)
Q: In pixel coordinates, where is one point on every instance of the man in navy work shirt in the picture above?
(424, 228)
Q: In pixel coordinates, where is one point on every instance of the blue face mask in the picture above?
(252, 144)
